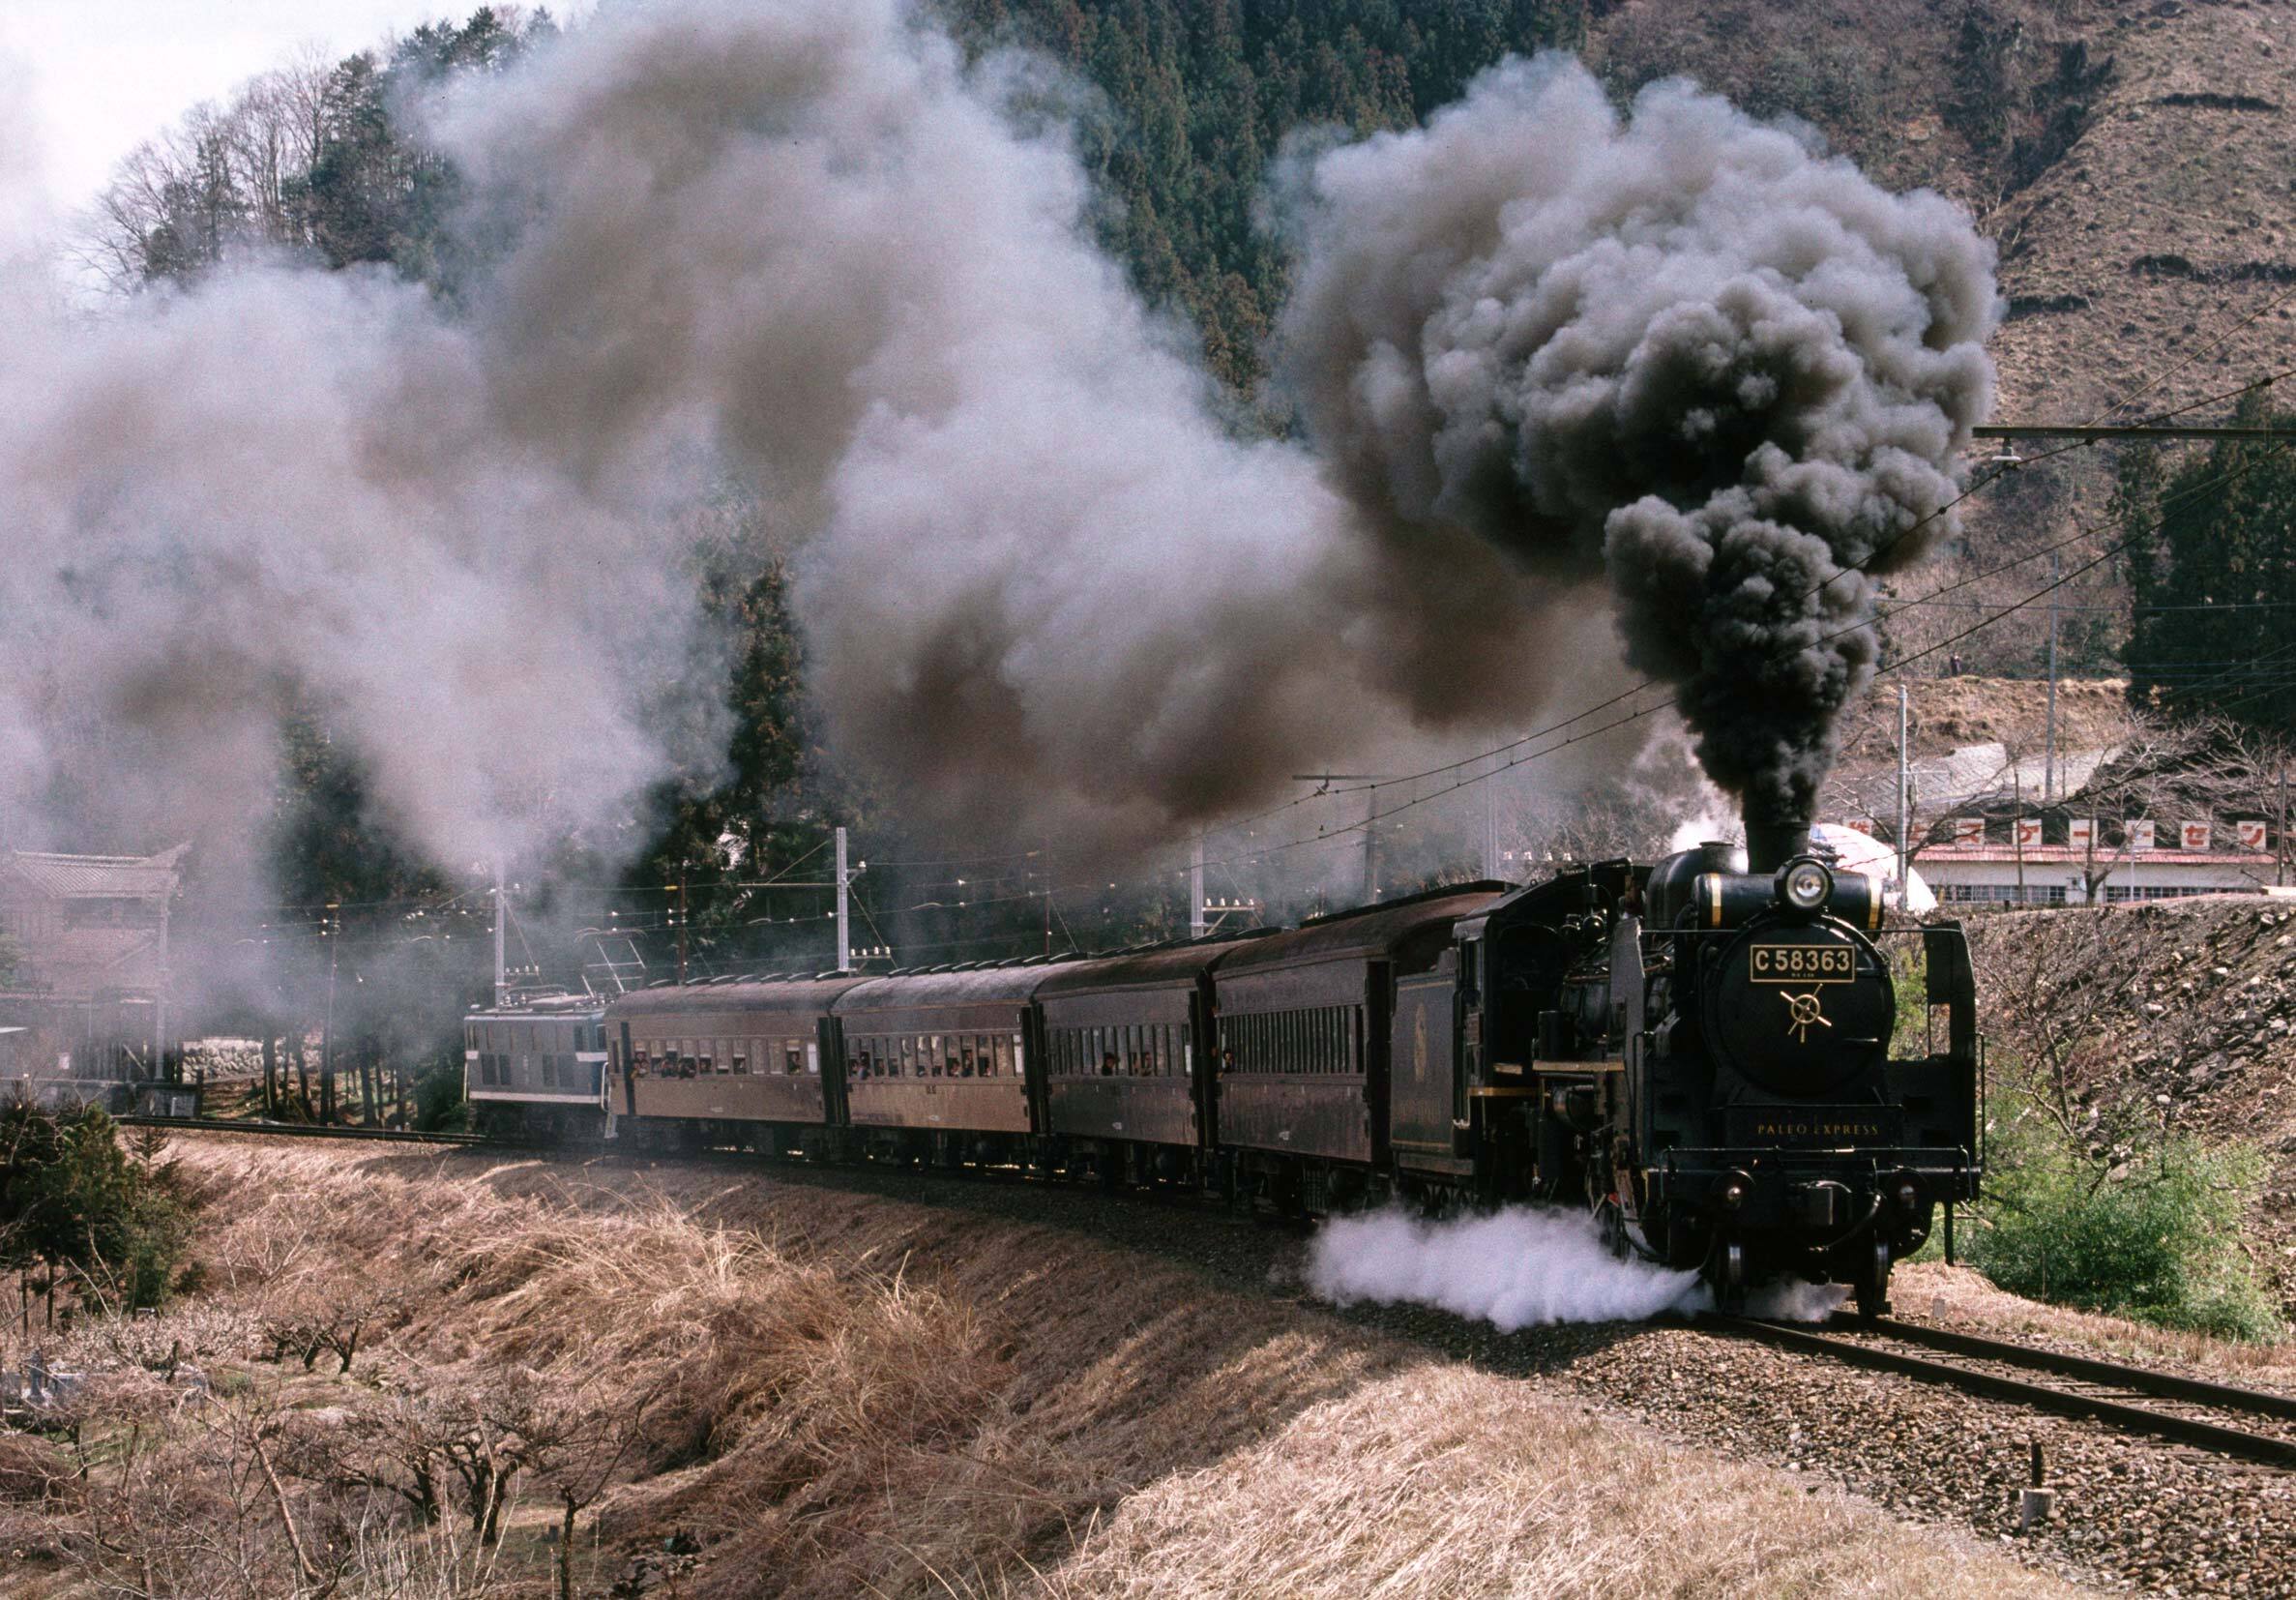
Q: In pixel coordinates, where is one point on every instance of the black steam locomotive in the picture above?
(1699, 1054)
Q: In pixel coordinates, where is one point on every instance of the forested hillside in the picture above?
(2131, 159)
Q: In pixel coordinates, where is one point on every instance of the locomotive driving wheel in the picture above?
(1729, 1276)
(1873, 1286)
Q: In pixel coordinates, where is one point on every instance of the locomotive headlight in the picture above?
(1804, 885)
(1735, 1191)
(1906, 1192)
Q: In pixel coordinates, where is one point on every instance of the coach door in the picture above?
(1422, 1068)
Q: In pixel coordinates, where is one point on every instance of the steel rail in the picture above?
(297, 1130)
(2200, 1391)
(2182, 1430)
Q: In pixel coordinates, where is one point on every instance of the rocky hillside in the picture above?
(2133, 158)
(2137, 262)
(2176, 1013)
(1952, 713)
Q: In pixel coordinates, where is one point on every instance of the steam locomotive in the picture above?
(1700, 1052)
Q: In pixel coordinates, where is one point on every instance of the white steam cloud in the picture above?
(1515, 1268)
(1520, 1267)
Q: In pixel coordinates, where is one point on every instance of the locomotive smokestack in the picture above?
(1771, 844)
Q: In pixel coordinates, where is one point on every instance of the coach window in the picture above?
(705, 1065)
(793, 1057)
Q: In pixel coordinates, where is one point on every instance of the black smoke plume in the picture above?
(1677, 354)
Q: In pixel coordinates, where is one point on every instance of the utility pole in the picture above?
(500, 984)
(1048, 897)
(1195, 889)
(2280, 840)
(844, 910)
(1905, 794)
(334, 933)
(1491, 827)
(2017, 827)
(1371, 847)
(2049, 771)
(681, 922)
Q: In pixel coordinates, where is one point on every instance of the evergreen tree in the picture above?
(2212, 567)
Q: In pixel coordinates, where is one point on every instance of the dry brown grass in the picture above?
(859, 1396)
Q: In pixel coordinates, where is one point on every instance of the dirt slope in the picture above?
(2135, 256)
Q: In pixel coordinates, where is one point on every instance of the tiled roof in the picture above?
(96, 877)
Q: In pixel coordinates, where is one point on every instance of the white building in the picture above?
(2062, 875)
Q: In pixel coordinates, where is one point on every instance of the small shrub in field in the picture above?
(2154, 1236)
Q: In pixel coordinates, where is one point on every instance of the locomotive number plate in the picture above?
(1802, 964)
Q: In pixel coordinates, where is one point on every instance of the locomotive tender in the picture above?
(1698, 1052)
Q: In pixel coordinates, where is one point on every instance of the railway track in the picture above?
(295, 1130)
(2226, 1420)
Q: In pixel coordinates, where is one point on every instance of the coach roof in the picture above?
(1369, 932)
(1171, 964)
(795, 994)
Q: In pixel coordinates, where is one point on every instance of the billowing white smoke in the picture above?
(1515, 1268)
(1044, 586)
(1043, 582)
(1520, 1267)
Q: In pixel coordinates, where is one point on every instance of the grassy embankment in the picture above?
(807, 1392)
